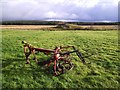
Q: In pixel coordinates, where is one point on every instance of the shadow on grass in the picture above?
(17, 66)
(7, 62)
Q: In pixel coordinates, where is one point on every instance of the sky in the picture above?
(60, 10)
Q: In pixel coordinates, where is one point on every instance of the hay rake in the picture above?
(59, 56)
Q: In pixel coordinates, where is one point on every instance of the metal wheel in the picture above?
(63, 66)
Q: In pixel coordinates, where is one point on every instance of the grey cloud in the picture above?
(39, 10)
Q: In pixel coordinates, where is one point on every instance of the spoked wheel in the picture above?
(63, 67)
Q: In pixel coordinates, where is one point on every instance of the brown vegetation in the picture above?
(60, 27)
(26, 27)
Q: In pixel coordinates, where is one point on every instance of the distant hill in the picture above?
(33, 22)
(28, 22)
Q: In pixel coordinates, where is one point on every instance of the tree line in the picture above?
(54, 23)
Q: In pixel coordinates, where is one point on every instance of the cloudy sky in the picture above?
(62, 10)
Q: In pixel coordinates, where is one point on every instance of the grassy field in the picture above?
(99, 48)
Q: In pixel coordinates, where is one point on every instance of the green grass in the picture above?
(99, 48)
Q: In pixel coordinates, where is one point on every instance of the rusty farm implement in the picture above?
(60, 56)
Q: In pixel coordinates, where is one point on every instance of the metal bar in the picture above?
(80, 56)
(43, 50)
